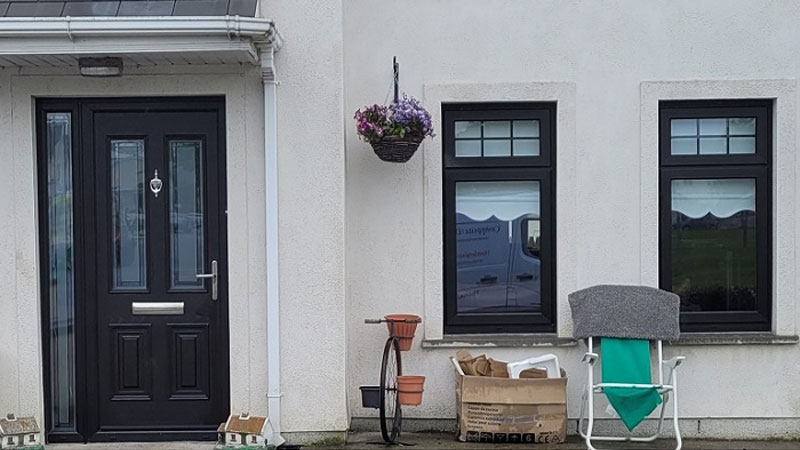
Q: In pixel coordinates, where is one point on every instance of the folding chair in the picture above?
(628, 312)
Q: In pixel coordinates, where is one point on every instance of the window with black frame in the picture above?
(716, 212)
(499, 246)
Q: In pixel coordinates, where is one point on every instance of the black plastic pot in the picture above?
(370, 396)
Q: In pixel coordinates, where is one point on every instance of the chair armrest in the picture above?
(674, 362)
(589, 358)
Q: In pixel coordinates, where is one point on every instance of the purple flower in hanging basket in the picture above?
(406, 118)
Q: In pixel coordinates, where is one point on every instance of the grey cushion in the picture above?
(636, 312)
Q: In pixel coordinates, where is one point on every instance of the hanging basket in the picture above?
(396, 149)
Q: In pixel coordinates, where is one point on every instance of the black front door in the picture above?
(150, 207)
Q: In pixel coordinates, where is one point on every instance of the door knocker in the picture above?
(156, 184)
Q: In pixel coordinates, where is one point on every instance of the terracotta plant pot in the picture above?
(404, 331)
(409, 389)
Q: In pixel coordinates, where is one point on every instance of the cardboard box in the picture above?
(503, 410)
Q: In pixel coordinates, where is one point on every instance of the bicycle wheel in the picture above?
(391, 416)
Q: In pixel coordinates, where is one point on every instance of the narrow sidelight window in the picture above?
(60, 262)
(716, 212)
(499, 217)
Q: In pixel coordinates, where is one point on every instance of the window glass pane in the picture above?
(497, 129)
(129, 237)
(683, 127)
(187, 249)
(526, 147)
(714, 244)
(497, 148)
(683, 146)
(61, 273)
(496, 273)
(742, 126)
(713, 127)
(468, 129)
(526, 128)
(716, 136)
(741, 145)
(468, 149)
(713, 146)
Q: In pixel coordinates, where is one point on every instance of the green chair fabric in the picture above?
(628, 361)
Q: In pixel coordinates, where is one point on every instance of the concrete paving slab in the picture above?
(442, 441)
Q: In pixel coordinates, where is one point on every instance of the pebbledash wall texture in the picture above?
(360, 238)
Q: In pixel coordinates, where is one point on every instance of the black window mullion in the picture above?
(483, 153)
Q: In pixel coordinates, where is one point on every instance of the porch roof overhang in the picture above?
(140, 41)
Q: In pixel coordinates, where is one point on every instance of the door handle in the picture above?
(214, 275)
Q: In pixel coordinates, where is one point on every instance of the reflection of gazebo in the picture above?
(505, 200)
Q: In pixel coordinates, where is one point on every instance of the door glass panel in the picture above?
(187, 250)
(714, 244)
(61, 275)
(498, 268)
(129, 237)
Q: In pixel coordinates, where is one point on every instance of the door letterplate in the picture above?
(214, 275)
(157, 308)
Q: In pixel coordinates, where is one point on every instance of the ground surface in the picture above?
(440, 441)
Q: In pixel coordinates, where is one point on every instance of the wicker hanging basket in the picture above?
(396, 149)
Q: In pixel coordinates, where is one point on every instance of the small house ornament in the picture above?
(19, 432)
(243, 430)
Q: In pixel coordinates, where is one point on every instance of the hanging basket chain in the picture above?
(396, 67)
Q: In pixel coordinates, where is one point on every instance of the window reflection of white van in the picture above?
(498, 265)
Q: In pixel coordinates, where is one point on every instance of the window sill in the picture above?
(499, 341)
(741, 338)
(551, 340)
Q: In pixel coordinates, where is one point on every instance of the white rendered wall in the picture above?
(609, 51)
(311, 200)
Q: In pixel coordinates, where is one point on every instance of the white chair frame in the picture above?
(671, 386)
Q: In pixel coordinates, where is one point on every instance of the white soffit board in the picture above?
(162, 40)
